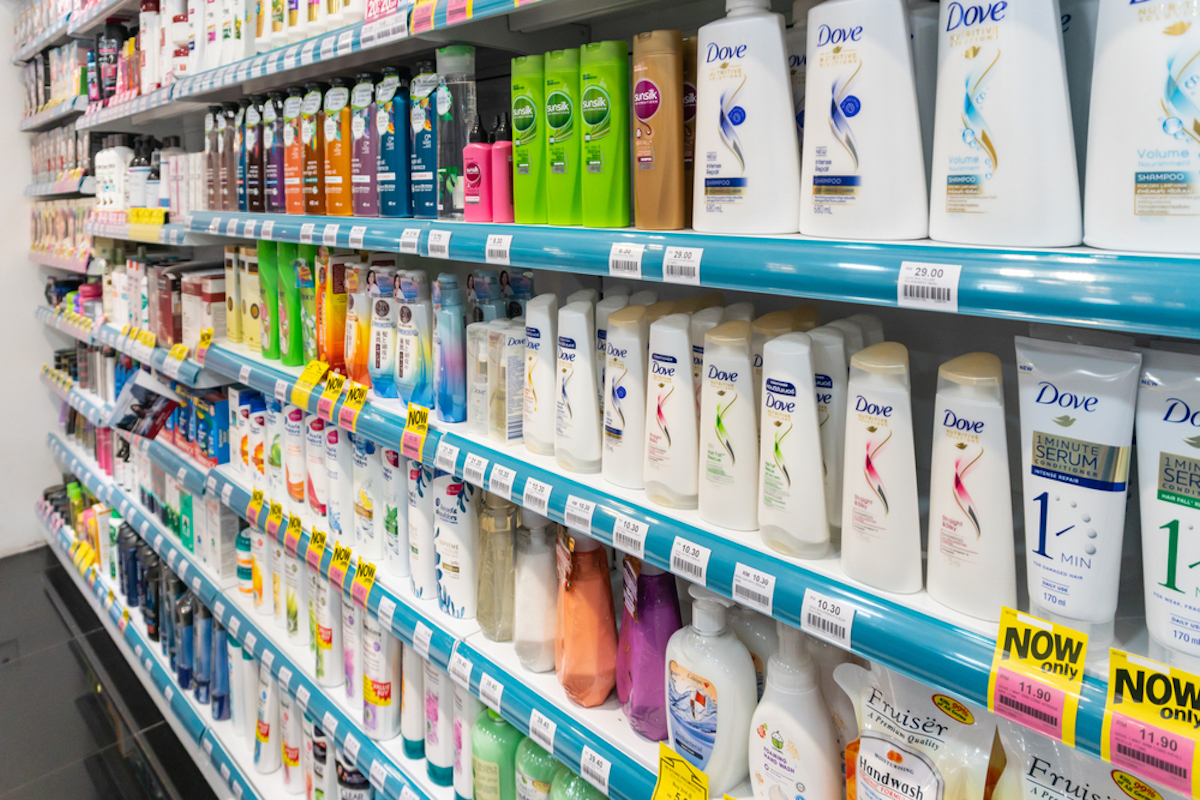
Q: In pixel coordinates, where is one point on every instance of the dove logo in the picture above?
(960, 16)
(952, 420)
(1179, 412)
(1049, 395)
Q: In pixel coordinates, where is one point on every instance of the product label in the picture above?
(450, 511)
(530, 789)
(836, 181)
(665, 381)
(776, 769)
(646, 100)
(487, 779)
(597, 123)
(779, 404)
(1101, 467)
(615, 401)
(560, 126)
(881, 764)
(525, 132)
(568, 353)
(692, 704)
(721, 67)
(870, 511)
(719, 460)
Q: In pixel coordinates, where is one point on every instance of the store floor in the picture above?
(75, 721)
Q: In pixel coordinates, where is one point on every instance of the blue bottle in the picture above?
(239, 138)
(185, 640)
(392, 156)
(450, 333)
(423, 121)
(202, 653)
(220, 706)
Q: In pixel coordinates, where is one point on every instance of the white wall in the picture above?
(26, 467)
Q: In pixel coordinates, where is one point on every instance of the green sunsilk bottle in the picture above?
(306, 282)
(564, 192)
(604, 111)
(291, 334)
(268, 281)
(529, 140)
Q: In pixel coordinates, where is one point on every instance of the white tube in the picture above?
(412, 704)
(728, 465)
(293, 458)
(317, 483)
(577, 421)
(583, 296)
(237, 689)
(1075, 485)
(646, 297)
(250, 678)
(610, 303)
(366, 469)
(702, 322)
(352, 627)
(421, 555)
(393, 471)
(626, 345)
(881, 535)
(267, 749)
(830, 368)
(295, 588)
(972, 565)
(672, 418)
(292, 743)
(439, 724)
(273, 451)
(263, 579)
(456, 537)
(339, 468)
(791, 508)
(466, 710)
(327, 604)
(871, 326)
(278, 600)
(541, 349)
(380, 680)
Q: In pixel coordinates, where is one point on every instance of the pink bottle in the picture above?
(477, 175)
(502, 187)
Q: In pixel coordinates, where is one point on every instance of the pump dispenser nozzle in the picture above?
(708, 610)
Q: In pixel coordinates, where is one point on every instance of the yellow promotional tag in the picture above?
(364, 579)
(1037, 674)
(126, 329)
(124, 620)
(316, 549)
(413, 440)
(356, 397)
(677, 779)
(291, 539)
(206, 337)
(1150, 722)
(178, 352)
(274, 518)
(422, 16)
(339, 565)
(308, 381)
(255, 506)
(147, 338)
(334, 385)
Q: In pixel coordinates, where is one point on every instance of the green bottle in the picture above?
(291, 336)
(604, 112)
(564, 192)
(306, 282)
(569, 786)
(529, 140)
(494, 746)
(535, 771)
(268, 282)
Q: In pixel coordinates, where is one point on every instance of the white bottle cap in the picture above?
(740, 5)
(800, 9)
(742, 311)
(708, 610)
(791, 668)
(533, 520)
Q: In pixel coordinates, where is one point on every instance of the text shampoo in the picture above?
(577, 422)
(746, 146)
(1143, 186)
(672, 427)
(881, 525)
(972, 566)
(863, 166)
(728, 467)
(1003, 125)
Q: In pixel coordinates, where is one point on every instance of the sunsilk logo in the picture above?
(955, 422)
(646, 99)
(617, 352)
(715, 373)
(689, 102)
(1049, 395)
(827, 35)
(864, 406)
(716, 52)
(780, 396)
(960, 16)
(1179, 412)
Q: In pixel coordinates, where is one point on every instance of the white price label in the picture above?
(409, 240)
(249, 642)
(281, 390)
(196, 584)
(302, 697)
(219, 611)
(183, 568)
(226, 491)
(422, 636)
(235, 625)
(138, 650)
(238, 791)
(181, 473)
(753, 588)
(328, 47)
(345, 43)
(356, 236)
(541, 730)
(291, 57)
(386, 611)
(500, 482)
(537, 496)
(231, 227)
(625, 260)
(249, 228)
(268, 230)
(928, 286)
(329, 723)
(306, 232)
(214, 226)
(490, 691)
(171, 558)
(828, 618)
(225, 773)
(145, 526)
(268, 656)
(460, 670)
(629, 535)
(447, 456)
(211, 483)
(439, 244)
(208, 747)
(690, 560)
(406, 793)
(285, 677)
(148, 663)
(682, 265)
(594, 768)
(350, 750)
(378, 777)
(329, 235)
(498, 248)
(474, 469)
(259, 66)
(306, 53)
(244, 374)
(168, 692)
(578, 514)
(158, 540)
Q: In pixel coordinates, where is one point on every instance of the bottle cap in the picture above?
(791, 668)
(800, 9)
(563, 59)
(708, 609)
(738, 5)
(627, 317)
(773, 324)
(804, 318)
(533, 520)
(742, 311)
(700, 302)
(599, 52)
(885, 358)
(972, 369)
(528, 65)
(656, 43)
(729, 334)
(456, 58)
(659, 310)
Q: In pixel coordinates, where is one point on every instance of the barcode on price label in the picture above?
(306, 232)
(690, 560)
(578, 514)
(302, 696)
(285, 677)
(306, 54)
(422, 636)
(490, 691)
(474, 468)
(827, 618)
(625, 259)
(541, 730)
(629, 535)
(356, 236)
(537, 496)
(447, 456)
(329, 723)
(460, 670)
(498, 247)
(327, 47)
(234, 625)
(329, 234)
(500, 482)
(929, 286)
(231, 227)
(219, 611)
(345, 43)
(682, 265)
(249, 643)
(409, 240)
(439, 244)
(350, 749)
(753, 588)
(594, 768)
(386, 611)
(248, 228)
(281, 390)
(268, 229)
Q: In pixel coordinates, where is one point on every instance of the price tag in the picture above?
(682, 265)
(386, 611)
(1037, 674)
(753, 588)
(244, 374)
(329, 234)
(339, 565)
(168, 692)
(690, 560)
(498, 248)
(291, 57)
(316, 549)
(306, 53)
(291, 539)
(328, 47)
(345, 43)
(412, 442)
(422, 16)
(268, 230)
(460, 670)
(537, 496)
(214, 227)
(145, 526)
(268, 656)
(226, 491)
(447, 456)
(594, 768)
(158, 540)
(490, 691)
(928, 286)
(422, 636)
(579, 514)
(274, 519)
(231, 227)
(285, 677)
(249, 642)
(474, 469)
(238, 791)
(629, 535)
(625, 260)
(500, 482)
(306, 232)
(678, 779)
(235, 624)
(330, 724)
(334, 385)
(541, 730)
(356, 236)
(248, 228)
(364, 579)
(378, 777)
(206, 337)
(308, 380)
(281, 390)
(827, 618)
(255, 506)
(409, 240)
(196, 584)
(225, 773)
(356, 398)
(438, 244)
(183, 567)
(303, 695)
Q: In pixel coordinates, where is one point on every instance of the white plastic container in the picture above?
(267, 747)
(260, 552)
(456, 537)
(317, 484)
(583, 296)
(339, 468)
(972, 565)
(626, 344)
(728, 464)
(422, 559)
(256, 446)
(577, 446)
(863, 171)
(327, 607)
(1143, 156)
(250, 684)
(1079, 18)
(292, 733)
(797, 42)
(295, 594)
(872, 328)
(1003, 124)
(672, 418)
(541, 352)
(791, 504)
(611, 302)
(644, 297)
(745, 130)
(238, 677)
(380, 680)
(923, 28)
(830, 376)
(756, 631)
(701, 323)
(881, 524)
(852, 334)
(439, 724)
(412, 704)
(352, 635)
(763, 330)
(278, 566)
(506, 379)
(394, 472)
(466, 710)
(367, 467)
(1077, 409)
(534, 612)
(294, 463)
(273, 451)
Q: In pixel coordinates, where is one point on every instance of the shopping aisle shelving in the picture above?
(55, 115)
(67, 185)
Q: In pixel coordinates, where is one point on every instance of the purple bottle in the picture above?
(650, 616)
(363, 183)
(273, 150)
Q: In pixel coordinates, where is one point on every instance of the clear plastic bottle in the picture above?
(456, 112)
(533, 617)
(497, 535)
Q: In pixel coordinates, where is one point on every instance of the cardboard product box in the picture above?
(166, 306)
(203, 304)
(184, 424)
(222, 527)
(188, 519)
(168, 501)
(233, 296)
(199, 524)
(212, 436)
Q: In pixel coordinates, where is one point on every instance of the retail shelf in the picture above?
(67, 185)
(172, 233)
(52, 36)
(76, 325)
(95, 116)
(187, 372)
(55, 115)
(97, 412)
(86, 23)
(62, 259)
(172, 461)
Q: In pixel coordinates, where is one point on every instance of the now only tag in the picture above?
(677, 778)
(412, 441)
(753, 588)
(1037, 674)
(682, 265)
(364, 580)
(929, 286)
(625, 260)
(827, 618)
(498, 248)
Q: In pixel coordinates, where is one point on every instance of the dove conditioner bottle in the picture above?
(1077, 408)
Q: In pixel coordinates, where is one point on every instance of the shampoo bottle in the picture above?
(268, 749)
(612, 301)
(293, 151)
(541, 352)
(728, 465)
(393, 143)
(422, 558)
(291, 326)
(672, 416)
(394, 474)
(494, 746)
(529, 175)
(628, 340)
(497, 586)
(364, 159)
(658, 130)
(585, 651)
(477, 175)
(577, 445)
(268, 281)
(451, 343)
(650, 617)
(414, 340)
(564, 148)
(338, 147)
(367, 469)
(423, 120)
(312, 138)
(412, 702)
(456, 538)
(439, 726)
(502, 173)
(456, 112)
(274, 171)
(604, 113)
(534, 615)
(467, 711)
(830, 368)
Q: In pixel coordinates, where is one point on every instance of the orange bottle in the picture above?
(338, 200)
(312, 135)
(585, 642)
(293, 152)
(331, 308)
